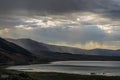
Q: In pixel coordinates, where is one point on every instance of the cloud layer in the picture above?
(79, 23)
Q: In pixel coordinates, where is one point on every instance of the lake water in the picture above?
(108, 68)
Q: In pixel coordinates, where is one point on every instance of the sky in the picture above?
(85, 24)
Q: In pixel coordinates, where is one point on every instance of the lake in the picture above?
(108, 68)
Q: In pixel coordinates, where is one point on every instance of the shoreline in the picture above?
(27, 69)
(51, 76)
(58, 76)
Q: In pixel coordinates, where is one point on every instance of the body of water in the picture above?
(108, 68)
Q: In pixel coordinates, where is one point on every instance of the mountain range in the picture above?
(28, 51)
(54, 53)
(38, 47)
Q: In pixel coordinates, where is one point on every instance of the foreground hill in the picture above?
(10, 53)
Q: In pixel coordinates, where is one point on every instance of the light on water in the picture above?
(108, 68)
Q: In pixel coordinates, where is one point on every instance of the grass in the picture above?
(18, 75)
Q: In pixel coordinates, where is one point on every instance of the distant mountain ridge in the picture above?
(38, 47)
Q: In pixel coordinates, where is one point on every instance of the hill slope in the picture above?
(37, 48)
(47, 52)
(10, 53)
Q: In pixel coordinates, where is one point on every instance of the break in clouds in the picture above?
(79, 23)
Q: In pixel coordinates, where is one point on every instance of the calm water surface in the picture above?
(109, 68)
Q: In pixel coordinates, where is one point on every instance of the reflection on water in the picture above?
(75, 67)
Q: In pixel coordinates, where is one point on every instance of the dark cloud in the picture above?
(68, 21)
(57, 5)
(106, 8)
(113, 14)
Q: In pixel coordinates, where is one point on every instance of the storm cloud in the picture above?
(79, 23)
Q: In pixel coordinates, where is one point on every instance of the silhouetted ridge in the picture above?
(11, 53)
(11, 47)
